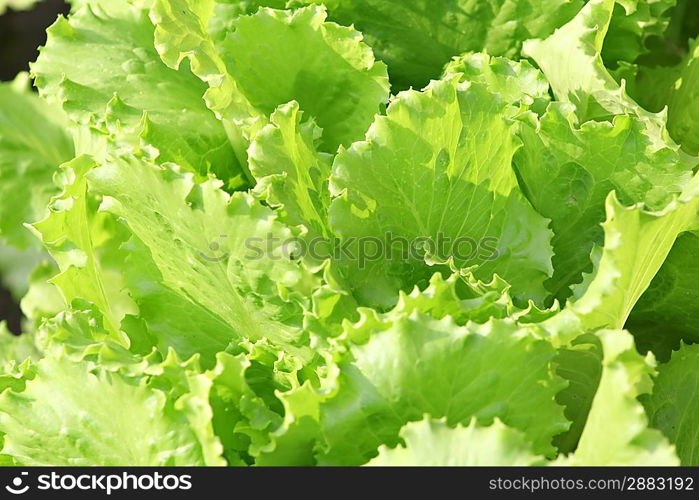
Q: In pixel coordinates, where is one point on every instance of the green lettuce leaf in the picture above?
(266, 404)
(664, 315)
(625, 438)
(83, 242)
(416, 39)
(637, 242)
(445, 151)
(651, 78)
(634, 22)
(42, 299)
(259, 257)
(672, 406)
(291, 174)
(434, 443)
(33, 142)
(572, 61)
(16, 349)
(16, 267)
(224, 256)
(517, 83)
(323, 66)
(465, 299)
(66, 416)
(650, 86)
(567, 171)
(101, 66)
(405, 365)
(241, 418)
(683, 105)
(580, 363)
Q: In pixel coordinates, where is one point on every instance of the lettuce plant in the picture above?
(249, 232)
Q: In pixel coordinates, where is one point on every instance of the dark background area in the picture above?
(21, 33)
(9, 311)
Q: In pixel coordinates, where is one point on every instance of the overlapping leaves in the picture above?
(184, 156)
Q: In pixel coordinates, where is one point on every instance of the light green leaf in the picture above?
(267, 403)
(273, 57)
(434, 443)
(633, 23)
(435, 176)
(465, 299)
(650, 86)
(166, 317)
(66, 416)
(331, 304)
(572, 62)
(417, 38)
(33, 142)
(16, 349)
(571, 59)
(106, 50)
(404, 366)
(567, 171)
(683, 106)
(651, 78)
(224, 256)
(517, 83)
(43, 299)
(291, 174)
(293, 443)
(181, 35)
(83, 242)
(323, 66)
(230, 396)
